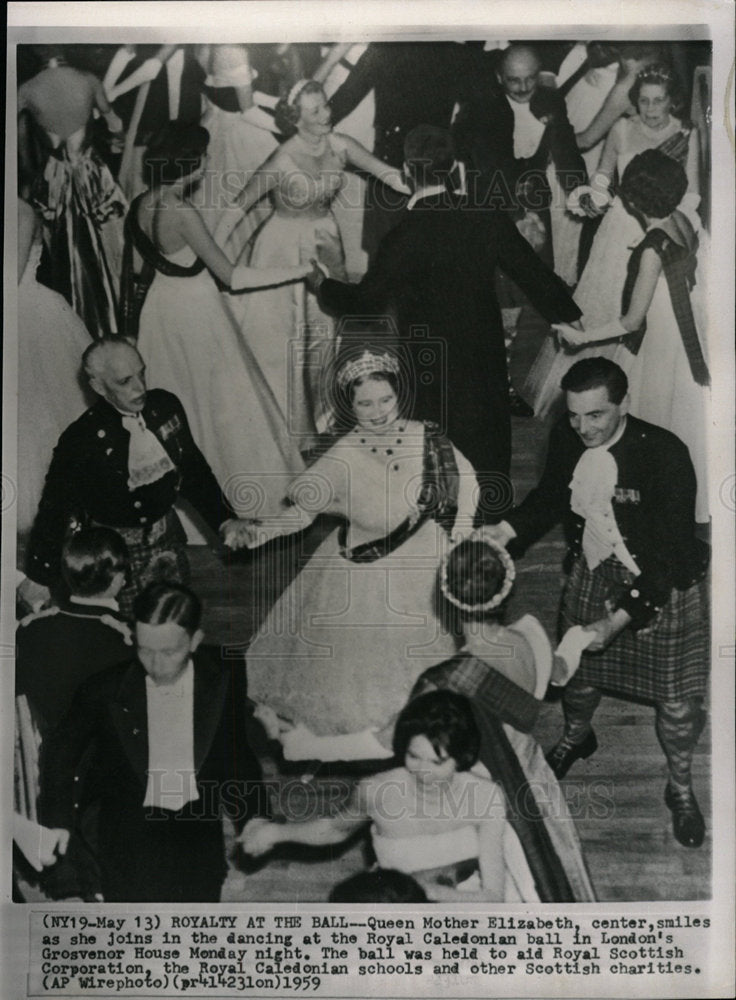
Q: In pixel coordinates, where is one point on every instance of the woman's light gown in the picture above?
(343, 646)
(192, 347)
(291, 338)
(601, 285)
(51, 341)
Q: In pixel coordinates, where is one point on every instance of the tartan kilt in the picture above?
(667, 660)
(155, 552)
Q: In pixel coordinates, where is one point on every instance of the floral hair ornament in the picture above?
(367, 364)
(296, 91)
(500, 596)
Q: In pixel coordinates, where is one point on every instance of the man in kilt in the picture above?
(123, 464)
(626, 489)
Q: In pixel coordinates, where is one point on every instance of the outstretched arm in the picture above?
(261, 182)
(337, 52)
(650, 269)
(616, 104)
(359, 157)
(197, 236)
(314, 832)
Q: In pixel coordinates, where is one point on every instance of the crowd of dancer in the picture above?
(197, 321)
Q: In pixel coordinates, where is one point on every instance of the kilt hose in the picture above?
(155, 552)
(666, 662)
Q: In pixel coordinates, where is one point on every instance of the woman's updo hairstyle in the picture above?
(287, 111)
(446, 720)
(476, 577)
(663, 76)
(653, 184)
(174, 152)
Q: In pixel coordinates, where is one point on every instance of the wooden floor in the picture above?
(616, 795)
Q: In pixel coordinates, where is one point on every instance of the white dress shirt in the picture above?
(171, 778)
(528, 130)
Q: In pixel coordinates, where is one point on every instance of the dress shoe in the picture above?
(688, 824)
(518, 406)
(564, 754)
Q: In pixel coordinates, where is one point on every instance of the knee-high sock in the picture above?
(579, 703)
(679, 725)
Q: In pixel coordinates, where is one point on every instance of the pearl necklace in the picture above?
(375, 449)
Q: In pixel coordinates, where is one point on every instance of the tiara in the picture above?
(366, 364)
(296, 90)
(656, 72)
(499, 597)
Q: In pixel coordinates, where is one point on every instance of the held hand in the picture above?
(274, 725)
(606, 629)
(238, 533)
(532, 229)
(52, 845)
(569, 336)
(259, 836)
(591, 209)
(395, 180)
(315, 276)
(501, 533)
(33, 596)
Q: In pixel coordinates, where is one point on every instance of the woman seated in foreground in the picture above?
(434, 818)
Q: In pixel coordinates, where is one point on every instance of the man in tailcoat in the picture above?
(166, 731)
(434, 275)
(508, 130)
(413, 83)
(123, 464)
(626, 489)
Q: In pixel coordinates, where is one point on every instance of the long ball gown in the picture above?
(237, 147)
(601, 285)
(83, 212)
(584, 101)
(291, 338)
(341, 649)
(51, 341)
(662, 388)
(192, 347)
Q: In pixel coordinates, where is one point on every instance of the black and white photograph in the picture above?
(368, 500)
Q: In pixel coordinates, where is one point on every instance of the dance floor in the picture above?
(616, 796)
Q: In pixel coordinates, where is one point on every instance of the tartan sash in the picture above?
(134, 285)
(678, 265)
(493, 702)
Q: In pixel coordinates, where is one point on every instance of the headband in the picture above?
(296, 91)
(500, 596)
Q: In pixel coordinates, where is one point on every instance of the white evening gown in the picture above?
(601, 285)
(51, 341)
(192, 347)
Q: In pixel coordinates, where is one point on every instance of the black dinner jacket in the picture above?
(109, 712)
(414, 84)
(57, 650)
(434, 274)
(654, 507)
(87, 479)
(484, 135)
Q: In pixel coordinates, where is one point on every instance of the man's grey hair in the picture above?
(94, 356)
